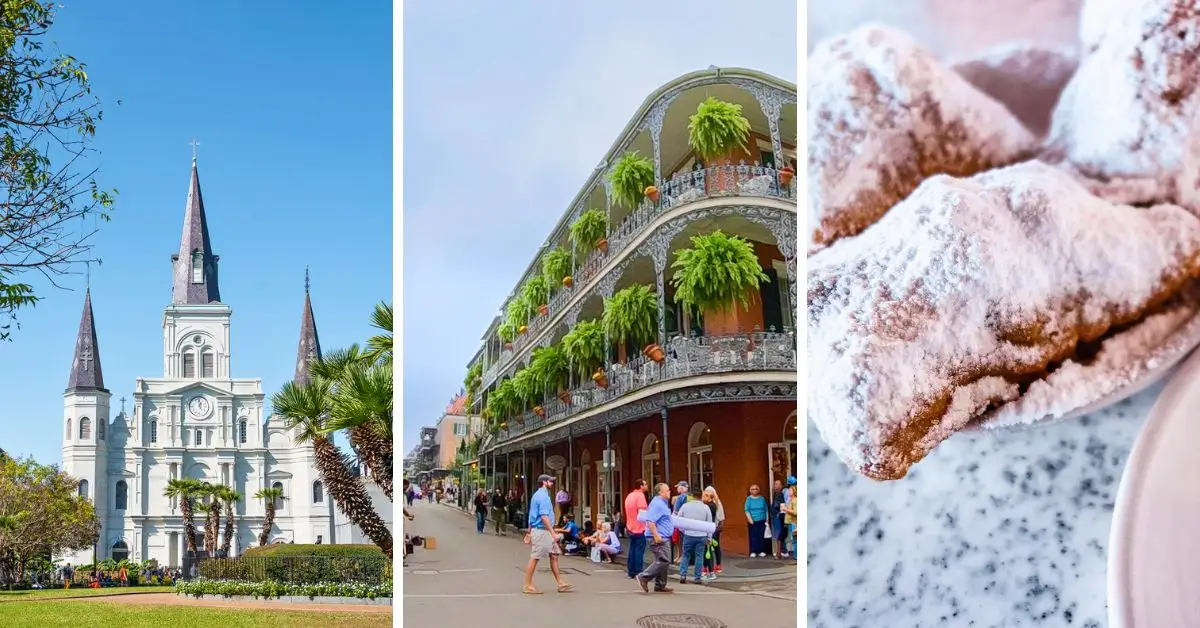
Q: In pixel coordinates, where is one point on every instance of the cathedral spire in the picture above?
(195, 266)
(86, 374)
(310, 346)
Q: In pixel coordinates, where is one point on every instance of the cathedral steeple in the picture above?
(86, 374)
(310, 345)
(195, 266)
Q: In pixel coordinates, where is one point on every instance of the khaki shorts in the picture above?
(543, 544)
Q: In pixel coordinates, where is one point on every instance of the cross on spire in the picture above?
(194, 144)
(122, 405)
(306, 279)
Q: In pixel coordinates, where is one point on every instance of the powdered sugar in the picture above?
(1129, 109)
(883, 115)
(960, 289)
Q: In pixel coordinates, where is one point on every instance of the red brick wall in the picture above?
(740, 433)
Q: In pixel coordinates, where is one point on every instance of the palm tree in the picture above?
(186, 491)
(379, 346)
(361, 403)
(306, 407)
(229, 497)
(212, 522)
(269, 495)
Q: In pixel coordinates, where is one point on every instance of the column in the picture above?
(666, 449)
(660, 268)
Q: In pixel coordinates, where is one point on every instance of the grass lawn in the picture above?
(50, 594)
(75, 614)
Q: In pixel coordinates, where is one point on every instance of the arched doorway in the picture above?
(700, 456)
(120, 551)
(651, 461)
(783, 455)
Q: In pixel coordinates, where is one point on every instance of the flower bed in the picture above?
(271, 589)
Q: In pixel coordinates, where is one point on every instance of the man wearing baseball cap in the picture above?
(542, 537)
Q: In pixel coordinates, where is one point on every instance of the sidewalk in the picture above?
(737, 568)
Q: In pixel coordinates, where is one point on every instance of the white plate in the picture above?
(1154, 548)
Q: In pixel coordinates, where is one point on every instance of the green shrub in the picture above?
(288, 549)
(271, 589)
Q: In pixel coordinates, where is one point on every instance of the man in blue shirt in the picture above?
(659, 529)
(542, 537)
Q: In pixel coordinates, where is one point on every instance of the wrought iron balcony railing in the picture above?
(684, 357)
(681, 189)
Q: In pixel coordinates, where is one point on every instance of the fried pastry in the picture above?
(884, 115)
(1128, 112)
(1027, 79)
(968, 293)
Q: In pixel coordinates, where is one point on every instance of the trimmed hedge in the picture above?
(270, 589)
(299, 569)
(281, 549)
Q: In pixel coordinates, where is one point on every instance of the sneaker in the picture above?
(664, 590)
(718, 569)
(683, 581)
(643, 582)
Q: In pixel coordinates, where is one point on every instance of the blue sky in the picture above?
(507, 110)
(291, 103)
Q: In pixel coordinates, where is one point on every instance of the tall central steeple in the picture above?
(195, 266)
(310, 345)
(86, 374)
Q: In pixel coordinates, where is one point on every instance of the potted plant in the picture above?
(589, 231)
(600, 378)
(517, 313)
(785, 175)
(474, 377)
(556, 268)
(716, 131)
(651, 193)
(535, 292)
(584, 346)
(631, 315)
(551, 367)
(507, 332)
(527, 391)
(716, 274)
(630, 177)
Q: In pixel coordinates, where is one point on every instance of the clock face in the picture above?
(199, 407)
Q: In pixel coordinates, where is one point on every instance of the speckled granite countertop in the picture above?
(993, 529)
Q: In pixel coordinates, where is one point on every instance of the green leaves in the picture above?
(503, 403)
(507, 332)
(201, 587)
(535, 292)
(550, 367)
(527, 389)
(717, 272)
(474, 376)
(556, 264)
(517, 312)
(584, 346)
(717, 128)
(630, 177)
(588, 229)
(632, 315)
(41, 513)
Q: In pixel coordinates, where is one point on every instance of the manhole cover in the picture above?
(680, 621)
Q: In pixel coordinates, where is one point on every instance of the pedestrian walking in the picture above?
(541, 537)
(658, 531)
(499, 512)
(481, 505)
(694, 543)
(635, 502)
(757, 510)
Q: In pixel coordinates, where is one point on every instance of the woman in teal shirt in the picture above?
(756, 519)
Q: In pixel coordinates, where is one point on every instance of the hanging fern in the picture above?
(588, 229)
(556, 265)
(550, 367)
(630, 177)
(502, 403)
(535, 292)
(584, 346)
(632, 315)
(517, 313)
(474, 375)
(717, 128)
(717, 272)
(526, 389)
(507, 332)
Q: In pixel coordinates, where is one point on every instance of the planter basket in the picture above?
(568, 281)
(522, 329)
(652, 194)
(602, 245)
(654, 352)
(600, 378)
(785, 175)
(543, 309)
(540, 411)
(564, 396)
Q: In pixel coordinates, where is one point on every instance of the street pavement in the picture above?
(477, 579)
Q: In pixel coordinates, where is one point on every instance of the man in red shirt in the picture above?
(635, 502)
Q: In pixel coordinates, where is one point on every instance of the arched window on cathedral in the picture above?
(83, 489)
(189, 364)
(207, 364)
(85, 429)
(199, 438)
(279, 500)
(318, 492)
(153, 431)
(69, 433)
(197, 267)
(242, 431)
(121, 500)
(100, 430)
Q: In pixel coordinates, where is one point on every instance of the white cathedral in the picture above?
(195, 421)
